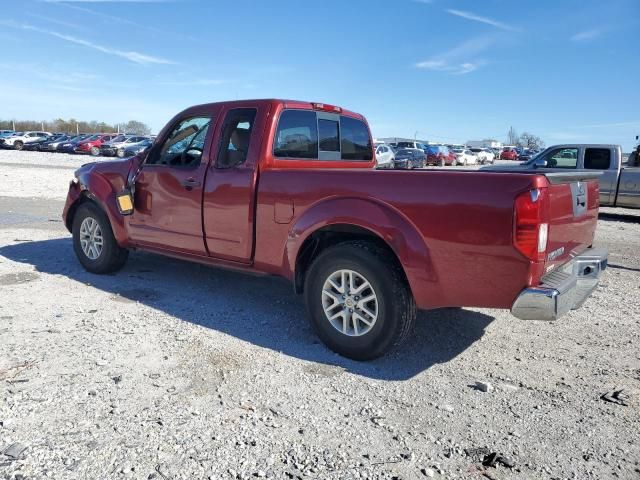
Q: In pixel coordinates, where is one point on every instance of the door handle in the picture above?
(190, 183)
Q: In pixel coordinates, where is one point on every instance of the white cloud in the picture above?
(586, 35)
(481, 19)
(459, 60)
(132, 56)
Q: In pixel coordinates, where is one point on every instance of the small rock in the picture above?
(117, 379)
(92, 393)
(484, 387)
(428, 472)
(14, 450)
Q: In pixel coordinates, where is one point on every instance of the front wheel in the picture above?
(18, 145)
(358, 300)
(120, 153)
(94, 242)
(95, 151)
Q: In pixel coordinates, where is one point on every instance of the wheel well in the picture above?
(84, 198)
(330, 236)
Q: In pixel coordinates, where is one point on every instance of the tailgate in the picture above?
(573, 215)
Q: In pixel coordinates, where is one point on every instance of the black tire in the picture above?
(112, 257)
(121, 153)
(396, 306)
(18, 145)
(94, 151)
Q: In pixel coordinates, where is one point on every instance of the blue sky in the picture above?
(450, 70)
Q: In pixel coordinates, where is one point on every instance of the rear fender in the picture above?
(381, 220)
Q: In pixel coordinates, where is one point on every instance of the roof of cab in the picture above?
(299, 104)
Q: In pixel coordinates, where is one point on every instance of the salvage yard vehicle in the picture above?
(385, 156)
(409, 158)
(16, 142)
(465, 156)
(485, 155)
(290, 188)
(509, 153)
(619, 184)
(134, 148)
(111, 148)
(92, 144)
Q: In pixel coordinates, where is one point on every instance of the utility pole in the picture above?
(77, 129)
(13, 122)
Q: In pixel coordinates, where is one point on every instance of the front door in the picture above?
(168, 189)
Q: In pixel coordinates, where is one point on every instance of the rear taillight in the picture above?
(531, 228)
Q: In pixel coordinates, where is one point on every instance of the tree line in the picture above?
(73, 126)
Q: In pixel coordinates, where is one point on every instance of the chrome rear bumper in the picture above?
(562, 290)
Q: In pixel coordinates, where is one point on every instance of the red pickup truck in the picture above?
(290, 188)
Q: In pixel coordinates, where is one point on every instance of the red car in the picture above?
(440, 155)
(509, 153)
(92, 144)
(290, 188)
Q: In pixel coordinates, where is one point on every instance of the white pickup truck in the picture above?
(619, 183)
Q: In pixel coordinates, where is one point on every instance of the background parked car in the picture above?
(110, 148)
(415, 145)
(17, 141)
(384, 156)
(37, 145)
(409, 158)
(527, 154)
(51, 145)
(465, 156)
(136, 148)
(92, 144)
(439, 155)
(509, 153)
(70, 145)
(485, 155)
(6, 133)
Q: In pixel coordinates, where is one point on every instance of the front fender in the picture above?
(382, 220)
(101, 185)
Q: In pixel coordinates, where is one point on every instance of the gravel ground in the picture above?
(170, 370)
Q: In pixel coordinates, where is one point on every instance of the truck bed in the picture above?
(460, 252)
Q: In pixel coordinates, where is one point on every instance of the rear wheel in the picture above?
(121, 153)
(358, 300)
(93, 241)
(95, 151)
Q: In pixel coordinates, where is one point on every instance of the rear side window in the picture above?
(562, 158)
(318, 135)
(597, 158)
(297, 135)
(355, 141)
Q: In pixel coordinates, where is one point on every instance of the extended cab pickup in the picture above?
(290, 188)
(619, 184)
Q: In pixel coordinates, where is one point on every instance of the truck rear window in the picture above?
(299, 130)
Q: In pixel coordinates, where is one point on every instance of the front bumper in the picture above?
(564, 289)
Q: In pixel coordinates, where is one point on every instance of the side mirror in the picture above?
(539, 163)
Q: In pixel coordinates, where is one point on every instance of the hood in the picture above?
(116, 172)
